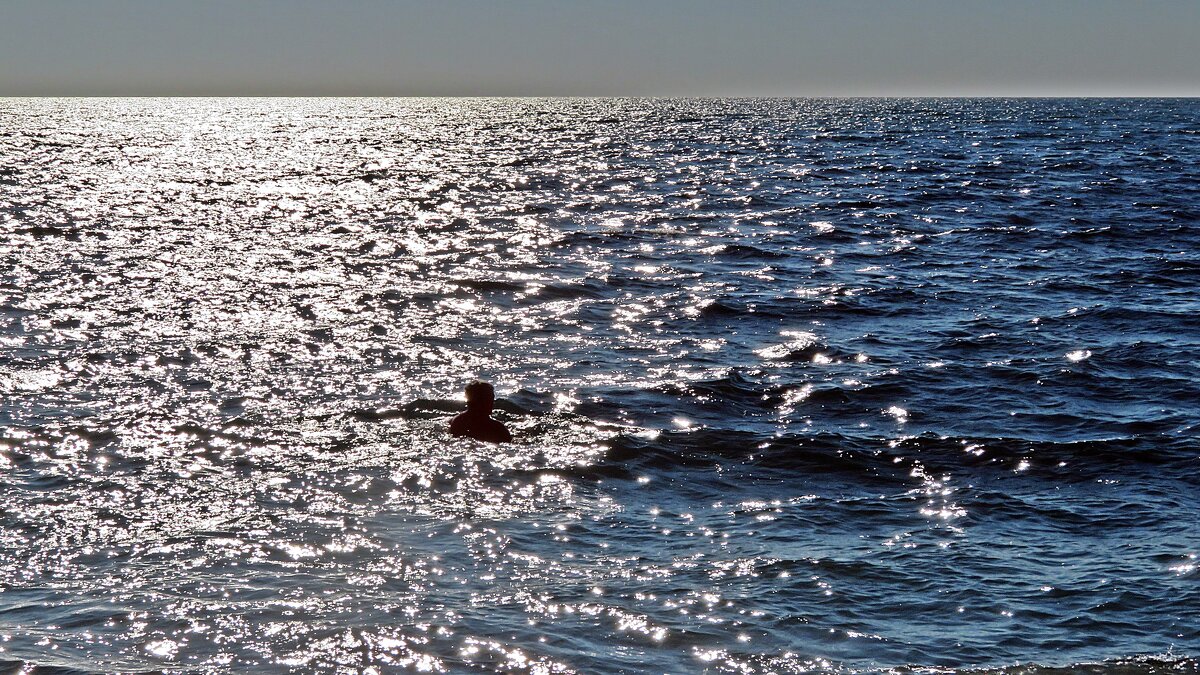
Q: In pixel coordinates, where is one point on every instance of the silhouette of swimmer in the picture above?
(477, 421)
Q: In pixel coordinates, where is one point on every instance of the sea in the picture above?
(796, 385)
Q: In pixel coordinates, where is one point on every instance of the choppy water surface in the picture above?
(798, 385)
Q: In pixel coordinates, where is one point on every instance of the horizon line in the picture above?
(627, 96)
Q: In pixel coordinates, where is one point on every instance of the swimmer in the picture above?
(477, 421)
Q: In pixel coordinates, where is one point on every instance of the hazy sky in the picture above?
(600, 47)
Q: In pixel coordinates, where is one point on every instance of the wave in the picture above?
(889, 458)
(1157, 664)
(732, 661)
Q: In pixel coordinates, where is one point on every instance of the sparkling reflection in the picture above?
(760, 374)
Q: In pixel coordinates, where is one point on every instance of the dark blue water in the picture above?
(797, 385)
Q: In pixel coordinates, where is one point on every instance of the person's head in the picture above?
(480, 396)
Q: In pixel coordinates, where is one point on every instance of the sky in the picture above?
(600, 47)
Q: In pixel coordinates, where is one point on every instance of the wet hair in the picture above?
(480, 392)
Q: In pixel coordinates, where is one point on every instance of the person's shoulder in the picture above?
(501, 431)
(460, 424)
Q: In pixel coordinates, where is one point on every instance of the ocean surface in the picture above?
(798, 386)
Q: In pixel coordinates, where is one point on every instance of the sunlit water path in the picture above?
(798, 386)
